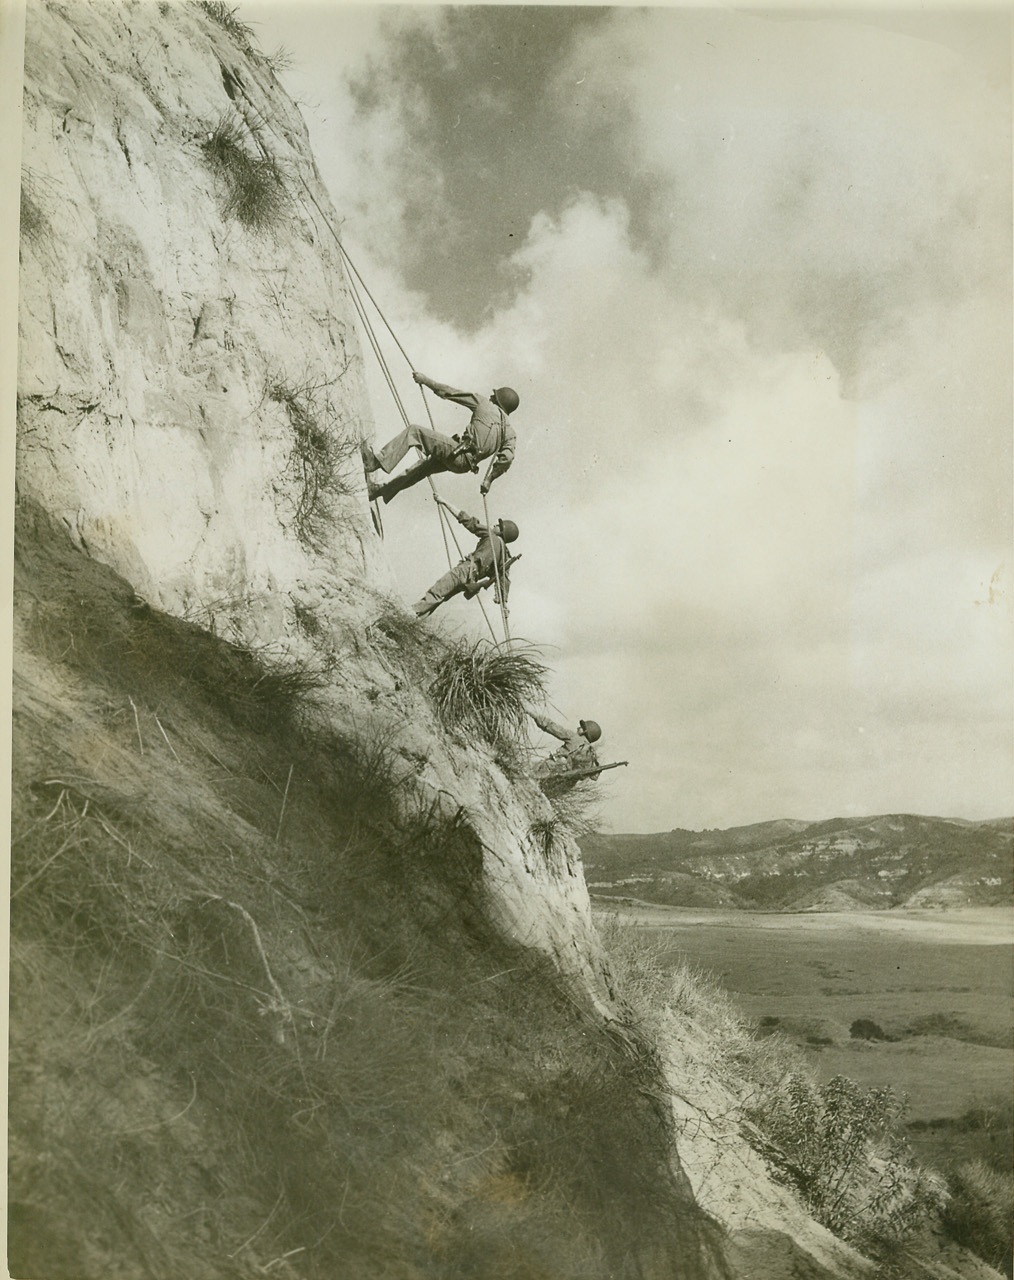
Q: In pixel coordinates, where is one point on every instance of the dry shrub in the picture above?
(254, 184)
(657, 985)
(575, 808)
(319, 453)
(979, 1213)
(485, 689)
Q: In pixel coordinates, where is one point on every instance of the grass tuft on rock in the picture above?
(485, 689)
(318, 456)
(226, 18)
(254, 184)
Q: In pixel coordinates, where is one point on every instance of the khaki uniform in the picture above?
(576, 753)
(488, 434)
(491, 554)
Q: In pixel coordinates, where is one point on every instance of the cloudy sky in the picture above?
(750, 273)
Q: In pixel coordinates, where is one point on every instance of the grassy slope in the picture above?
(258, 1017)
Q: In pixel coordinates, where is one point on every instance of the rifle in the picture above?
(582, 773)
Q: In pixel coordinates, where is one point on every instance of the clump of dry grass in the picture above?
(255, 186)
(979, 1213)
(226, 18)
(319, 452)
(576, 807)
(485, 689)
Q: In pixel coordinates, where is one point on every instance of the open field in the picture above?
(938, 985)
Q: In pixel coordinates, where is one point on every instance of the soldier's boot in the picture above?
(418, 471)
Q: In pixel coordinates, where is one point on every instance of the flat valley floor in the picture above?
(936, 985)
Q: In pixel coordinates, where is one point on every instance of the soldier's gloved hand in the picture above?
(419, 377)
(484, 487)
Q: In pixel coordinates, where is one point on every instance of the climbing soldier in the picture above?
(577, 755)
(488, 435)
(488, 563)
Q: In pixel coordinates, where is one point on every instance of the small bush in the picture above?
(980, 1211)
(255, 185)
(483, 688)
(317, 456)
(867, 1029)
(837, 1144)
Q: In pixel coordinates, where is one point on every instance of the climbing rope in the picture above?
(355, 280)
(445, 524)
(496, 571)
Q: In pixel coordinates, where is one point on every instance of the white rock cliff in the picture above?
(153, 330)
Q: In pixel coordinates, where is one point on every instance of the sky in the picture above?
(750, 274)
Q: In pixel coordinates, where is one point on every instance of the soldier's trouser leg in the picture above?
(431, 443)
(455, 580)
(412, 475)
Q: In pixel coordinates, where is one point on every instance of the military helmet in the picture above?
(507, 398)
(590, 730)
(508, 530)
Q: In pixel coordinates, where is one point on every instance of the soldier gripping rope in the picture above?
(487, 564)
(577, 755)
(488, 435)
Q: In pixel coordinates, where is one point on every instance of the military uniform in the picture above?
(488, 435)
(576, 753)
(489, 558)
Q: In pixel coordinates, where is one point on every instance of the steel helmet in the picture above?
(507, 398)
(590, 730)
(508, 530)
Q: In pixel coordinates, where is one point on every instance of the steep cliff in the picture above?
(190, 385)
(304, 973)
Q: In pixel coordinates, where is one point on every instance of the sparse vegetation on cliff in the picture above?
(226, 18)
(254, 185)
(485, 689)
(840, 1147)
(980, 1211)
(260, 1017)
(319, 452)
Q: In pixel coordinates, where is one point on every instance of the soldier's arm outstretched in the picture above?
(467, 398)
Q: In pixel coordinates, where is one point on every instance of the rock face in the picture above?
(191, 394)
(164, 344)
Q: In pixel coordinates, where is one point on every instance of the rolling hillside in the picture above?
(893, 860)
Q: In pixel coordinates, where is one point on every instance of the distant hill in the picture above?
(839, 864)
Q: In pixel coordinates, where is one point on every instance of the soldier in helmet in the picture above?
(488, 435)
(487, 564)
(577, 751)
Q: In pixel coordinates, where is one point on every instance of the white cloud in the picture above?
(759, 514)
